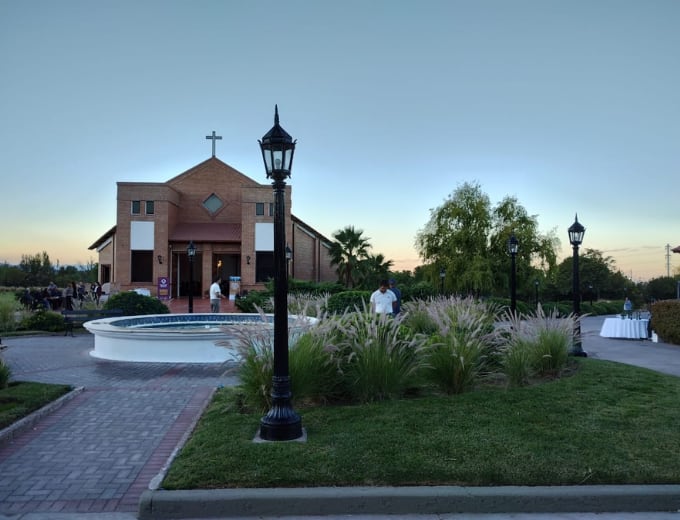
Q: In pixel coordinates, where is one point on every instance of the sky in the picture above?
(569, 106)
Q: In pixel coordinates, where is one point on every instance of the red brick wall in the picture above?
(181, 199)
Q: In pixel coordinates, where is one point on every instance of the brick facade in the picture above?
(221, 210)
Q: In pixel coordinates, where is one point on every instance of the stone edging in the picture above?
(8, 434)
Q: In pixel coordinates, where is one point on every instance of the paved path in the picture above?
(100, 450)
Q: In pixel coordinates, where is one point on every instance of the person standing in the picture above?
(383, 301)
(627, 307)
(97, 292)
(397, 293)
(215, 295)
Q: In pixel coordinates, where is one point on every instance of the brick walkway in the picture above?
(100, 450)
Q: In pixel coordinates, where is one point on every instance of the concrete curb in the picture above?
(8, 434)
(226, 503)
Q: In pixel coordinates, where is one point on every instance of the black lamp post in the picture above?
(442, 275)
(191, 253)
(536, 292)
(576, 232)
(513, 246)
(590, 290)
(281, 423)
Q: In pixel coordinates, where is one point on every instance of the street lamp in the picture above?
(191, 253)
(576, 232)
(289, 257)
(281, 423)
(442, 275)
(536, 292)
(513, 246)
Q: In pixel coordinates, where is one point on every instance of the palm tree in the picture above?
(373, 269)
(347, 251)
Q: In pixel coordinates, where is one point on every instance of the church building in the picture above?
(230, 220)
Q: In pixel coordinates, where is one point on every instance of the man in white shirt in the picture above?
(383, 301)
(215, 295)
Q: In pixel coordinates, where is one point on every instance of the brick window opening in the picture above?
(213, 203)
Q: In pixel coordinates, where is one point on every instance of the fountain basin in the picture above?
(169, 338)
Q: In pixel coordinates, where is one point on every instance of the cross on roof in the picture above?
(213, 137)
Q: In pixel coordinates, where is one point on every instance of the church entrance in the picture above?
(181, 275)
(225, 266)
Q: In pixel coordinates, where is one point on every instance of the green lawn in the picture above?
(608, 423)
(20, 399)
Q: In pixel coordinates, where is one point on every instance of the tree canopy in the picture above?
(467, 237)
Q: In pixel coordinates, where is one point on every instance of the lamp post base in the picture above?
(281, 423)
(576, 348)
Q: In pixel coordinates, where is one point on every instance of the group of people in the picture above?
(53, 298)
(387, 298)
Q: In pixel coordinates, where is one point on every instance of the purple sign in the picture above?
(163, 288)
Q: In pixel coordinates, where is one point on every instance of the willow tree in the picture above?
(456, 239)
(467, 237)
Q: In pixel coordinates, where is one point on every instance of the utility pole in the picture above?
(668, 260)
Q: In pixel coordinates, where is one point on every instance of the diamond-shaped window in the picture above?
(213, 203)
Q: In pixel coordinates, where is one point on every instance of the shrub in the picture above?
(417, 319)
(134, 304)
(537, 345)
(5, 374)
(255, 300)
(666, 320)
(517, 362)
(347, 301)
(43, 320)
(255, 347)
(313, 376)
(377, 360)
(552, 350)
(418, 291)
(9, 305)
(457, 356)
(315, 288)
(307, 304)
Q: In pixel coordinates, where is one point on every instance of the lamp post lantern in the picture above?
(513, 247)
(289, 257)
(281, 423)
(442, 275)
(576, 232)
(191, 253)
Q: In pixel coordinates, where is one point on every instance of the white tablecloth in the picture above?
(624, 328)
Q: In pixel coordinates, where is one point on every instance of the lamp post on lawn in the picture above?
(191, 253)
(576, 232)
(442, 275)
(281, 423)
(513, 246)
(536, 292)
(289, 257)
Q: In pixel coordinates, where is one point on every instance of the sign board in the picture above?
(234, 286)
(163, 288)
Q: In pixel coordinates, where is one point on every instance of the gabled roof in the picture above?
(103, 238)
(215, 164)
(310, 228)
(205, 232)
